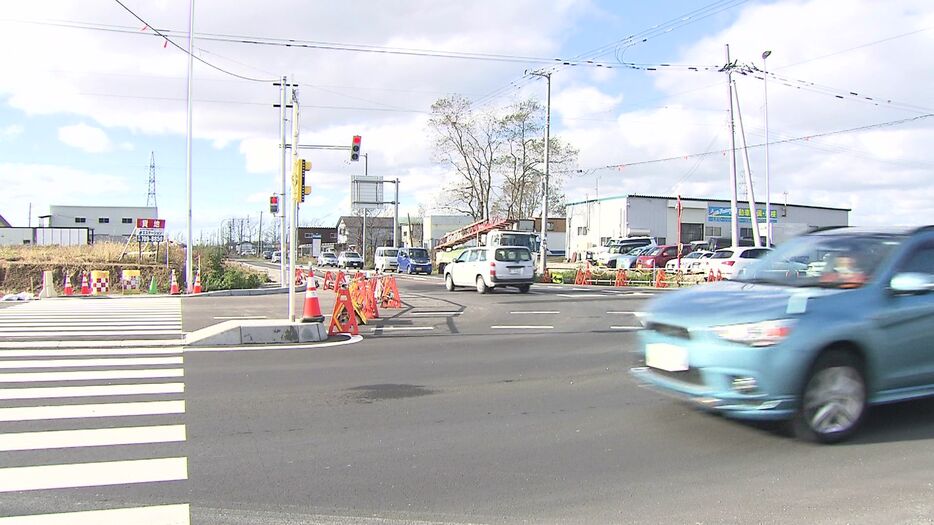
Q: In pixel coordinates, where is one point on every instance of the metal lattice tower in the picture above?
(151, 197)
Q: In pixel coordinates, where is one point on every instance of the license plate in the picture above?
(514, 271)
(664, 356)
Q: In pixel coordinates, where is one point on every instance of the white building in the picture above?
(591, 223)
(107, 223)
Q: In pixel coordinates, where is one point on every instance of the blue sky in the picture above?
(82, 109)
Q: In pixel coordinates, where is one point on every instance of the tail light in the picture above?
(492, 269)
(729, 263)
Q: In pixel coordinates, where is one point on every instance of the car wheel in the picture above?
(449, 283)
(524, 288)
(481, 285)
(833, 401)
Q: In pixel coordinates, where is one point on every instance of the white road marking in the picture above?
(94, 332)
(154, 515)
(92, 391)
(92, 474)
(65, 352)
(577, 295)
(142, 408)
(96, 437)
(116, 345)
(118, 361)
(522, 327)
(26, 377)
(436, 313)
(400, 328)
(242, 317)
(624, 312)
(531, 312)
(630, 328)
(81, 325)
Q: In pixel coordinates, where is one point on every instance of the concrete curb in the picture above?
(258, 332)
(247, 292)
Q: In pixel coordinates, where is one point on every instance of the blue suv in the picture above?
(414, 260)
(813, 333)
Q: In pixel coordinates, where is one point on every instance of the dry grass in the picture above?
(76, 255)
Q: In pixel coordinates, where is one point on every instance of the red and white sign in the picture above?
(155, 224)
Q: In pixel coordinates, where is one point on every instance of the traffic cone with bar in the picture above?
(339, 281)
(390, 297)
(85, 285)
(69, 291)
(328, 281)
(311, 312)
(620, 278)
(173, 288)
(197, 288)
(153, 289)
(660, 279)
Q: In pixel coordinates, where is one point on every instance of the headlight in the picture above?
(765, 333)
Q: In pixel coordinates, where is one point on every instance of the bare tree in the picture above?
(471, 144)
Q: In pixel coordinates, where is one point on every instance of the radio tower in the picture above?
(151, 197)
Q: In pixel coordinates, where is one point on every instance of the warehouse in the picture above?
(593, 222)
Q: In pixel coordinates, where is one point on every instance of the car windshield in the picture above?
(351, 254)
(512, 255)
(842, 260)
(656, 251)
(418, 253)
(636, 251)
(327, 254)
(693, 255)
(722, 254)
(391, 253)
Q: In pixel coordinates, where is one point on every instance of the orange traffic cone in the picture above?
(85, 285)
(620, 278)
(660, 279)
(197, 287)
(311, 313)
(173, 288)
(69, 291)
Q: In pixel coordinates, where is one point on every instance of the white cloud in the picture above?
(10, 131)
(84, 137)
(60, 185)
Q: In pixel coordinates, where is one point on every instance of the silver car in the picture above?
(327, 259)
(350, 259)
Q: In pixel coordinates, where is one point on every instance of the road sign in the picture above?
(158, 224)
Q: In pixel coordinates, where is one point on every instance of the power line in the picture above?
(854, 48)
(199, 59)
(781, 141)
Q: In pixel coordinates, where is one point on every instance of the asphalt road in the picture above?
(502, 408)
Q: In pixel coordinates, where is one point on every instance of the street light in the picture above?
(768, 192)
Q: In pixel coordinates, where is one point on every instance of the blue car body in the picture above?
(414, 260)
(891, 333)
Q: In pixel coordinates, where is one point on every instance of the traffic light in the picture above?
(274, 204)
(355, 149)
(298, 179)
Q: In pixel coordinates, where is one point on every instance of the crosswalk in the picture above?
(123, 318)
(92, 416)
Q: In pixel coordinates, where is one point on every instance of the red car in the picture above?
(661, 255)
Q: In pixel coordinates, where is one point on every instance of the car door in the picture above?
(459, 268)
(907, 325)
(403, 261)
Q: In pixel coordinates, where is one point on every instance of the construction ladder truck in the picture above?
(492, 232)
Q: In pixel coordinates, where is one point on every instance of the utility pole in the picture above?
(734, 210)
(259, 240)
(188, 254)
(282, 103)
(395, 219)
(750, 191)
(768, 190)
(543, 248)
(293, 202)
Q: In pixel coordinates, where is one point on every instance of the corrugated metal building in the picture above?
(591, 223)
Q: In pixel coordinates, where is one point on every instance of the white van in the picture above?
(491, 267)
(385, 259)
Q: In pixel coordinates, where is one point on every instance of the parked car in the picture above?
(817, 348)
(690, 263)
(414, 260)
(276, 256)
(627, 260)
(488, 268)
(349, 259)
(659, 256)
(267, 254)
(327, 259)
(618, 247)
(728, 261)
(248, 252)
(385, 259)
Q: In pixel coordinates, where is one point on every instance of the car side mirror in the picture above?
(912, 283)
